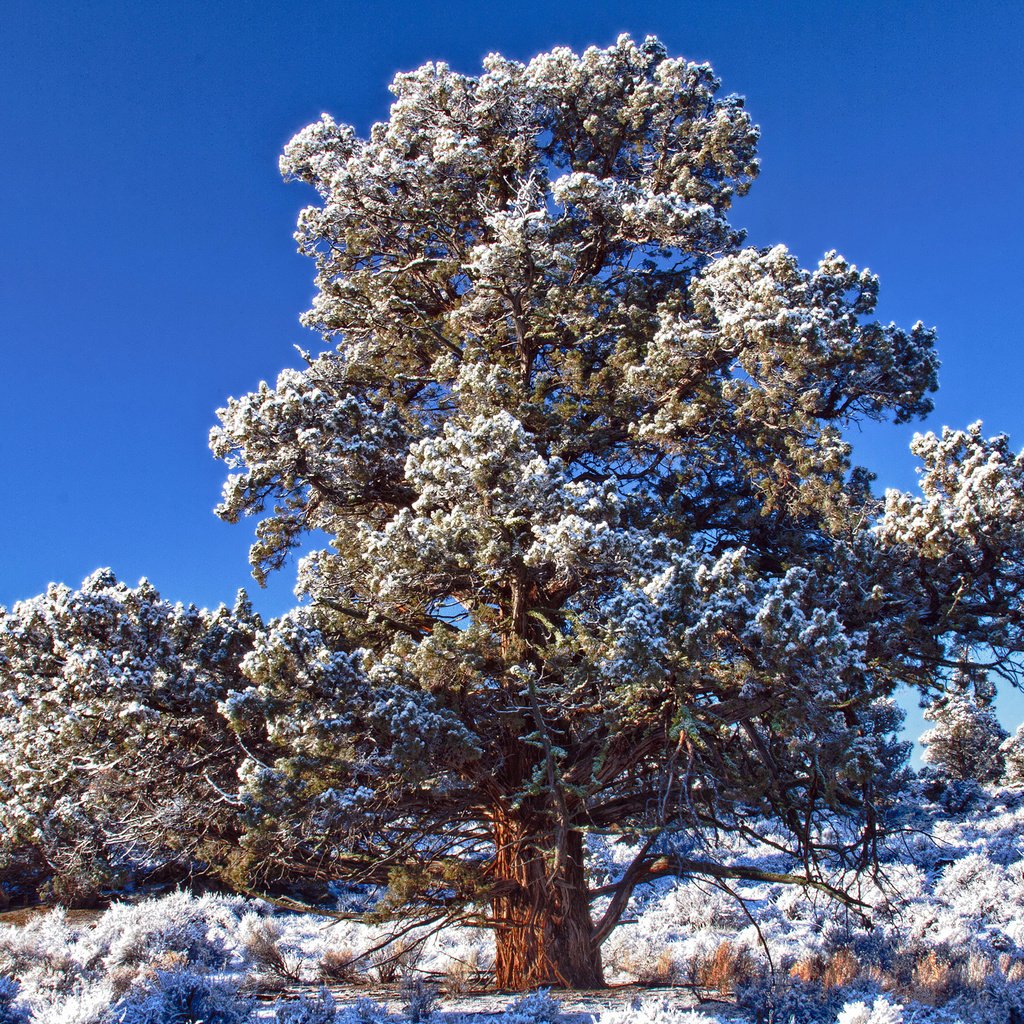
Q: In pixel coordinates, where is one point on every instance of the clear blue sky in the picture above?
(147, 269)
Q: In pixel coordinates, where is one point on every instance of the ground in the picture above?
(944, 943)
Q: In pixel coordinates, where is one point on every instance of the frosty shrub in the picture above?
(467, 969)
(788, 1001)
(979, 890)
(87, 1003)
(419, 998)
(881, 1011)
(259, 939)
(182, 997)
(336, 967)
(653, 1011)
(534, 1008)
(140, 934)
(995, 999)
(396, 960)
(365, 1011)
(316, 1009)
(39, 954)
(10, 1011)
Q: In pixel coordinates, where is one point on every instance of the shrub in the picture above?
(140, 934)
(10, 1013)
(338, 967)
(365, 1011)
(788, 1001)
(420, 998)
(318, 1009)
(997, 999)
(86, 1004)
(728, 967)
(933, 979)
(881, 1011)
(182, 997)
(534, 1008)
(39, 954)
(654, 1012)
(834, 970)
(260, 941)
(395, 959)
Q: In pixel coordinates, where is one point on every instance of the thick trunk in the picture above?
(543, 932)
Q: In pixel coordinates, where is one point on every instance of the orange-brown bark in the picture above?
(544, 934)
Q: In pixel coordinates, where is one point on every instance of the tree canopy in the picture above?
(598, 560)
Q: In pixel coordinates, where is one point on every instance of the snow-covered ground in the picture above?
(944, 942)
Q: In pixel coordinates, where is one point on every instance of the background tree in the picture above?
(965, 741)
(599, 560)
(114, 757)
(1012, 750)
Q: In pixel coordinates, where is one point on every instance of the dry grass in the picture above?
(1013, 969)
(833, 971)
(725, 969)
(339, 967)
(934, 979)
(464, 974)
(666, 970)
(395, 960)
(260, 939)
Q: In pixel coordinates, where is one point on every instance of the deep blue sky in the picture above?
(147, 269)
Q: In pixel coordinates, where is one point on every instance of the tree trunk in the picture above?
(543, 932)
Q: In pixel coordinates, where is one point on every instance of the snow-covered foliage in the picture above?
(598, 558)
(966, 739)
(966, 524)
(881, 1011)
(1012, 751)
(599, 564)
(108, 702)
(939, 941)
(184, 997)
(10, 1011)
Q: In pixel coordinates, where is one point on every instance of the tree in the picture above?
(113, 753)
(599, 560)
(1012, 750)
(966, 740)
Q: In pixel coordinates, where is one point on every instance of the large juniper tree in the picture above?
(597, 555)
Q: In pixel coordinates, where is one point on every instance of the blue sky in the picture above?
(147, 269)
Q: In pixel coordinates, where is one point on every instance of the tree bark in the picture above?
(543, 932)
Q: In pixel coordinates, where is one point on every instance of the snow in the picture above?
(948, 901)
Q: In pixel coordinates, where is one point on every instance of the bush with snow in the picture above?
(182, 997)
(85, 1004)
(365, 1011)
(534, 1008)
(316, 1009)
(1012, 750)
(784, 1000)
(10, 1011)
(881, 1011)
(177, 928)
(654, 1011)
